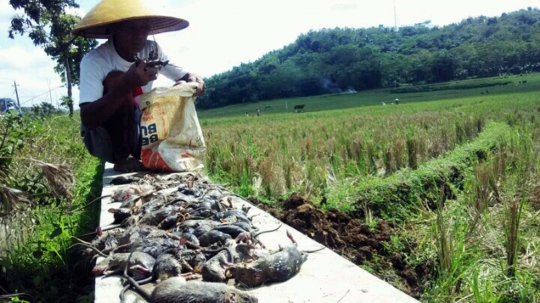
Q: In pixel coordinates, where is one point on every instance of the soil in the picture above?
(354, 240)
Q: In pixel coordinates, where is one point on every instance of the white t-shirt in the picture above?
(98, 63)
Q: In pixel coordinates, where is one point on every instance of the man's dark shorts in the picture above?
(99, 144)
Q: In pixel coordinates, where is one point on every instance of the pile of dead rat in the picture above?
(187, 237)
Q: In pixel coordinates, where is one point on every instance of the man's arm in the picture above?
(95, 113)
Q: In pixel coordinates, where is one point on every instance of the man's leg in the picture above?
(121, 129)
(98, 143)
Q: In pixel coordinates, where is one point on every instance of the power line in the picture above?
(34, 97)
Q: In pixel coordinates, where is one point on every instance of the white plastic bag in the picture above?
(172, 139)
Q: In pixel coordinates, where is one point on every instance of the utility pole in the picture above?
(16, 93)
(50, 94)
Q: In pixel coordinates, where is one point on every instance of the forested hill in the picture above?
(341, 59)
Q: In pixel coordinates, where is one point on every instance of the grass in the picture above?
(48, 162)
(372, 98)
(454, 169)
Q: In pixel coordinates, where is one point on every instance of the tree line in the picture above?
(353, 59)
(327, 60)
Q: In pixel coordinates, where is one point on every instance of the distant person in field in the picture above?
(111, 80)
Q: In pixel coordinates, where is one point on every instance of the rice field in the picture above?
(455, 171)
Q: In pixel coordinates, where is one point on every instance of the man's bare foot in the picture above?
(129, 165)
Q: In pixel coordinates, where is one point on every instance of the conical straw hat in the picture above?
(94, 24)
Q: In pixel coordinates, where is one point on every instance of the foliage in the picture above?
(12, 129)
(347, 60)
(67, 102)
(44, 109)
(49, 26)
(36, 265)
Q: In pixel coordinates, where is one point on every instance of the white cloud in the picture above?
(76, 11)
(344, 6)
(30, 68)
(223, 34)
(17, 57)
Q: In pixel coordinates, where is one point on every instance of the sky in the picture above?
(223, 34)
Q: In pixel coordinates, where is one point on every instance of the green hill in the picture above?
(348, 60)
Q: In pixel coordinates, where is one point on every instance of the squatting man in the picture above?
(112, 79)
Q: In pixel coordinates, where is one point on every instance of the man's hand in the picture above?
(139, 74)
(193, 78)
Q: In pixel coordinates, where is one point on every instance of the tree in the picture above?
(49, 26)
(332, 60)
(44, 109)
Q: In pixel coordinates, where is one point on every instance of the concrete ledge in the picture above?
(325, 277)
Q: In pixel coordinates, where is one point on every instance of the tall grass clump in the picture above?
(453, 253)
(412, 151)
(46, 181)
(512, 217)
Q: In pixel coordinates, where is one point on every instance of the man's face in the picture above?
(130, 37)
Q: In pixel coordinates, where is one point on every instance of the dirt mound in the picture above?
(352, 239)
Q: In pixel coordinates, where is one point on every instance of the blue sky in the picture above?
(223, 34)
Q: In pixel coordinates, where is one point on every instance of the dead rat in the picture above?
(234, 215)
(120, 214)
(121, 180)
(276, 267)
(155, 217)
(153, 246)
(251, 237)
(194, 258)
(201, 212)
(231, 229)
(214, 269)
(137, 232)
(178, 290)
(212, 237)
(124, 194)
(201, 229)
(115, 263)
(188, 235)
(106, 240)
(196, 223)
(166, 266)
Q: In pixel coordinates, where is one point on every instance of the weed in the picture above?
(57, 175)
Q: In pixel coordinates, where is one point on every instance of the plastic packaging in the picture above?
(172, 138)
